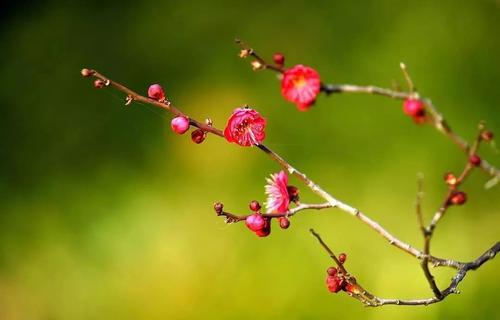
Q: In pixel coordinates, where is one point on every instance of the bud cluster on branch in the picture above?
(302, 85)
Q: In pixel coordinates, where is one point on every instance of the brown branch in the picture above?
(134, 96)
(428, 231)
(438, 120)
(453, 286)
(262, 63)
(232, 218)
(371, 300)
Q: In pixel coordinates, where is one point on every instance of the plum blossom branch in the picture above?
(247, 130)
(103, 81)
(232, 218)
(335, 203)
(437, 119)
(453, 197)
(356, 291)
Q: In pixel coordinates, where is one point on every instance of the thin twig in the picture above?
(373, 301)
(452, 288)
(232, 218)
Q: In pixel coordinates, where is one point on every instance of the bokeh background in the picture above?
(105, 214)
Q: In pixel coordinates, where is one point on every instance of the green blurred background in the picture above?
(105, 214)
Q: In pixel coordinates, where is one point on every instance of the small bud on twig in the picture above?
(198, 136)
(86, 72)
(98, 83)
(450, 179)
(180, 125)
(256, 65)
(284, 222)
(254, 205)
(458, 198)
(342, 257)
(279, 59)
(245, 53)
(155, 91)
(475, 160)
(218, 207)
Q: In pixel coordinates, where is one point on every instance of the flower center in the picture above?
(299, 82)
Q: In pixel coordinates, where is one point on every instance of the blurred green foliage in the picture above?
(105, 214)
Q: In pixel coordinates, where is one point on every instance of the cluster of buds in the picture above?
(337, 279)
(261, 224)
(456, 197)
(179, 124)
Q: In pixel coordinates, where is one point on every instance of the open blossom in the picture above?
(245, 127)
(277, 193)
(301, 85)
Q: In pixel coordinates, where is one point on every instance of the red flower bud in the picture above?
(155, 91)
(266, 230)
(334, 283)
(284, 222)
(458, 198)
(180, 125)
(254, 205)
(98, 83)
(279, 59)
(198, 136)
(342, 257)
(331, 271)
(413, 107)
(255, 222)
(475, 160)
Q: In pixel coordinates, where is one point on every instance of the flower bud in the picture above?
(255, 222)
(450, 179)
(475, 160)
(254, 205)
(198, 136)
(414, 108)
(256, 65)
(331, 271)
(218, 207)
(155, 91)
(284, 222)
(458, 198)
(279, 59)
(180, 125)
(244, 53)
(342, 257)
(86, 72)
(98, 83)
